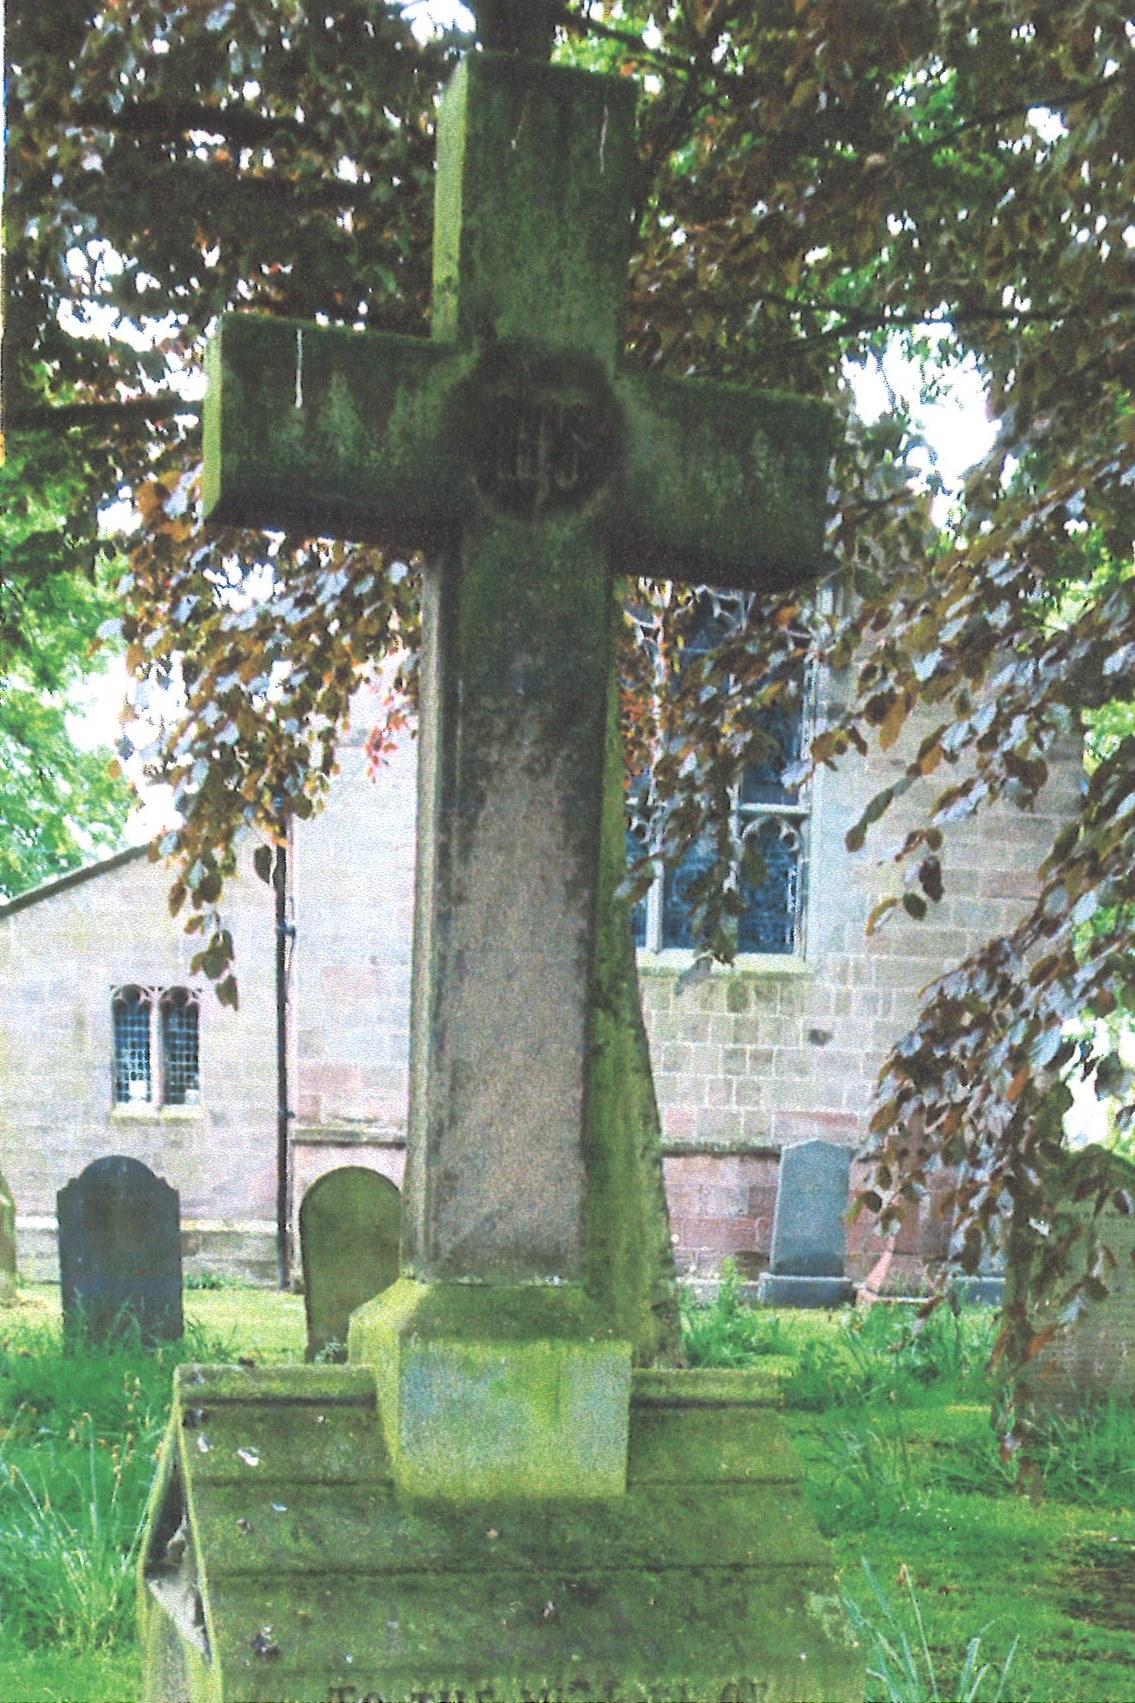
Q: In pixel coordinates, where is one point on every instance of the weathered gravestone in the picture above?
(7, 1244)
(809, 1228)
(484, 1501)
(350, 1224)
(120, 1252)
(1091, 1356)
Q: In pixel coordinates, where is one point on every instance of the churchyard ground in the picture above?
(935, 1544)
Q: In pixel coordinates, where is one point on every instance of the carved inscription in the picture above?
(546, 432)
(542, 453)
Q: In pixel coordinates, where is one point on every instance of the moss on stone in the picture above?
(628, 1260)
(707, 1580)
(483, 1312)
(495, 1390)
(723, 482)
(668, 1386)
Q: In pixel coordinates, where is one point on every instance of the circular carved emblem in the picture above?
(546, 432)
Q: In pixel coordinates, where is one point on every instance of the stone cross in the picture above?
(532, 471)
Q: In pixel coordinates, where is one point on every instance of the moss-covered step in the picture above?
(281, 1566)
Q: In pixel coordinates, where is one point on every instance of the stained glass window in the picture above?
(770, 824)
(179, 1047)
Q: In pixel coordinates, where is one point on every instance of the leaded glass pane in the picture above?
(768, 922)
(638, 912)
(761, 783)
(677, 925)
(637, 840)
(132, 1079)
(771, 919)
(179, 1047)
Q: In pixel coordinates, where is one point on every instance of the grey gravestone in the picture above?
(987, 1287)
(120, 1252)
(350, 1224)
(809, 1232)
(7, 1244)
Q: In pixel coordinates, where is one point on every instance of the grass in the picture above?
(960, 1586)
(79, 1431)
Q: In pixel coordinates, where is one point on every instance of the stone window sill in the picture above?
(675, 960)
(128, 1111)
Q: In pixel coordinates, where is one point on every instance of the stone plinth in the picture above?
(777, 1289)
(280, 1564)
(491, 1390)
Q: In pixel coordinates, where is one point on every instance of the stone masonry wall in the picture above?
(353, 875)
(777, 1051)
(1091, 1358)
(60, 958)
(773, 1051)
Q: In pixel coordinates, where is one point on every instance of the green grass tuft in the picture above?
(900, 1659)
(727, 1332)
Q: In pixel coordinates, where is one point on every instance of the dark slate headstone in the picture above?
(809, 1231)
(350, 1224)
(120, 1252)
(7, 1244)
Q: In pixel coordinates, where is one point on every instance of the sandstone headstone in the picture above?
(7, 1244)
(1091, 1358)
(809, 1228)
(120, 1252)
(350, 1224)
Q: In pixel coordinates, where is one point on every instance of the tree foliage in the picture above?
(58, 802)
(816, 181)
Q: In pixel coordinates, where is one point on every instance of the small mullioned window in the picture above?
(156, 1046)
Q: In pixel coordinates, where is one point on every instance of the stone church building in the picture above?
(108, 1044)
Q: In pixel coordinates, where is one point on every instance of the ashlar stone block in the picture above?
(491, 1390)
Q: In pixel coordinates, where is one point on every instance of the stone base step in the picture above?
(280, 1565)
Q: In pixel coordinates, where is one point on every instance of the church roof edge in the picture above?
(73, 878)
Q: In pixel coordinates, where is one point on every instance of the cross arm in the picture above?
(723, 484)
(327, 431)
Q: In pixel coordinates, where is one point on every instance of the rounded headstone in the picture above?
(7, 1244)
(120, 1251)
(350, 1225)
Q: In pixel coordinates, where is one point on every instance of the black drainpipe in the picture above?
(285, 934)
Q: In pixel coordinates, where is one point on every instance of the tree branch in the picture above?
(238, 124)
(854, 321)
(1059, 97)
(581, 24)
(65, 414)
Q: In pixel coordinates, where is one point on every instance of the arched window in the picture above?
(179, 1046)
(133, 1078)
(156, 1053)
